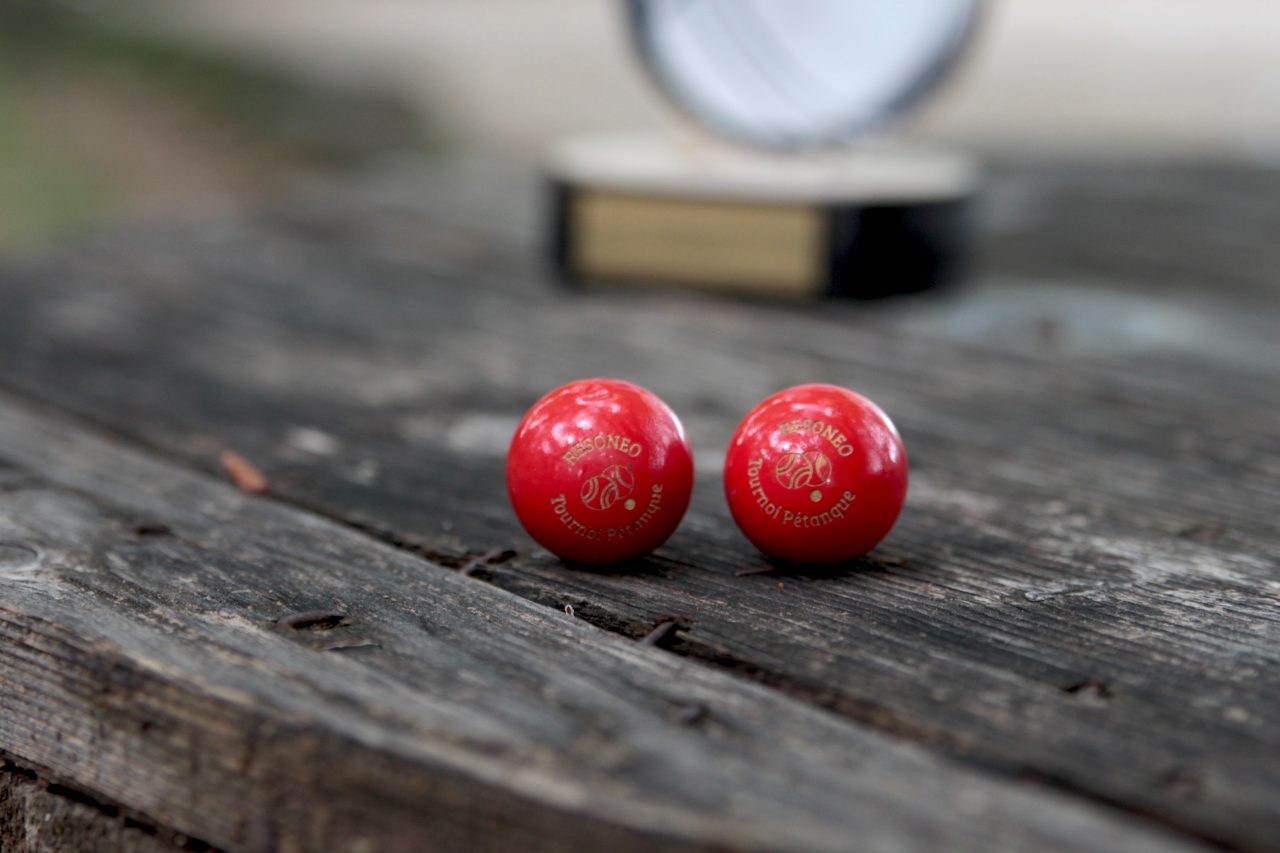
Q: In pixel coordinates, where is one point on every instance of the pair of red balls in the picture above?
(600, 470)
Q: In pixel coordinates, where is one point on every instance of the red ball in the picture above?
(815, 474)
(600, 470)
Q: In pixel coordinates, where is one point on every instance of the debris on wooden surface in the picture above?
(243, 474)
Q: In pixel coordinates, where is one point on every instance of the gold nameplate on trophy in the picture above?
(749, 247)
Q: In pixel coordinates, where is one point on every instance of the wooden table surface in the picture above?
(1071, 640)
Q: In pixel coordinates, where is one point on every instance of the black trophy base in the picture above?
(861, 223)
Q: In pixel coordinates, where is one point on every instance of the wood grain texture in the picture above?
(1083, 589)
(155, 669)
(39, 818)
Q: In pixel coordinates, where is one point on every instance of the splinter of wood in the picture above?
(758, 570)
(663, 629)
(242, 473)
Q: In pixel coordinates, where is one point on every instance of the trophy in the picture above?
(778, 178)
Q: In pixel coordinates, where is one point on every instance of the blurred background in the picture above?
(115, 110)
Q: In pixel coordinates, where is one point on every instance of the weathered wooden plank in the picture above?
(1082, 589)
(143, 657)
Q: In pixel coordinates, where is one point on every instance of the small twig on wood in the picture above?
(664, 628)
(758, 570)
(494, 555)
(323, 619)
(242, 473)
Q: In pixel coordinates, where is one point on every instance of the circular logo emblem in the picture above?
(608, 487)
(803, 470)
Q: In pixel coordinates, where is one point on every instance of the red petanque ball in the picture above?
(815, 474)
(600, 470)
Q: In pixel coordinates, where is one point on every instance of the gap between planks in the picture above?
(62, 802)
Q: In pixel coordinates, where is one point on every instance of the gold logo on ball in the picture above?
(810, 470)
(605, 489)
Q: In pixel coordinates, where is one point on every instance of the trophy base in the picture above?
(860, 223)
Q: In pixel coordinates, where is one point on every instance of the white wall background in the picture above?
(1157, 78)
